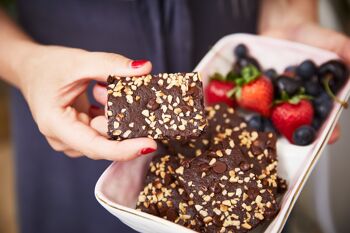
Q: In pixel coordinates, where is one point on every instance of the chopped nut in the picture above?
(129, 99)
(145, 113)
(198, 207)
(180, 170)
(219, 153)
(203, 213)
(207, 219)
(246, 226)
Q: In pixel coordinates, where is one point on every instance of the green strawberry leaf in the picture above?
(231, 77)
(305, 97)
(294, 100)
(239, 82)
(238, 93)
(248, 74)
(284, 96)
(232, 92)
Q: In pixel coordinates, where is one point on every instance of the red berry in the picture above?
(216, 92)
(257, 96)
(287, 117)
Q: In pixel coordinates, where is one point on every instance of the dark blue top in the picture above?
(55, 193)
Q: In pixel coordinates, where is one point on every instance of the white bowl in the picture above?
(118, 187)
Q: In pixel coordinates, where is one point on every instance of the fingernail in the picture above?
(138, 63)
(148, 150)
(103, 84)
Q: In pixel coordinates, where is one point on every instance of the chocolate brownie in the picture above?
(260, 150)
(220, 117)
(225, 187)
(164, 197)
(163, 106)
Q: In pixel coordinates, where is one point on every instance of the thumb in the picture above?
(99, 65)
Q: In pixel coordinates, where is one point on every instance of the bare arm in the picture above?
(14, 47)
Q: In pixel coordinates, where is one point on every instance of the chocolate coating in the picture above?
(164, 106)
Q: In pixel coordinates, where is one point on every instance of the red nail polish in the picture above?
(148, 150)
(103, 84)
(138, 63)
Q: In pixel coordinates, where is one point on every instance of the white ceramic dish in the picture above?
(118, 187)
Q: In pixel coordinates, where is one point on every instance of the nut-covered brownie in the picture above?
(228, 175)
(164, 197)
(226, 190)
(163, 106)
(220, 117)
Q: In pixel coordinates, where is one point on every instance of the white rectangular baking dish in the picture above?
(118, 187)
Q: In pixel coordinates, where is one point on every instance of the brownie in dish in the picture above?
(164, 197)
(225, 186)
(220, 118)
(227, 178)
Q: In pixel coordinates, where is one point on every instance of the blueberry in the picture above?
(304, 135)
(323, 109)
(338, 73)
(256, 122)
(243, 62)
(268, 126)
(271, 74)
(241, 51)
(316, 123)
(313, 88)
(290, 69)
(289, 85)
(306, 69)
(323, 97)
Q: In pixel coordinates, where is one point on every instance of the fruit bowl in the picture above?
(118, 187)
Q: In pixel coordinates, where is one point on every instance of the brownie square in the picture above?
(225, 187)
(163, 106)
(164, 197)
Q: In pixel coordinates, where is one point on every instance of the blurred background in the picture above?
(328, 195)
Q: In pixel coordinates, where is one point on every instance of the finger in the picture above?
(57, 145)
(95, 111)
(99, 66)
(100, 125)
(335, 135)
(73, 153)
(85, 139)
(100, 93)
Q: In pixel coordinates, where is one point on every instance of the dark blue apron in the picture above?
(55, 193)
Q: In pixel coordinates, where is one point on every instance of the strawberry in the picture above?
(288, 116)
(257, 96)
(217, 89)
(254, 91)
(216, 92)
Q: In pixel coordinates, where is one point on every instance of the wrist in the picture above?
(14, 63)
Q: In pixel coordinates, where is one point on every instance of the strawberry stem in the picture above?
(331, 94)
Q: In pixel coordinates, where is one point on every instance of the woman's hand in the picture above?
(54, 80)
